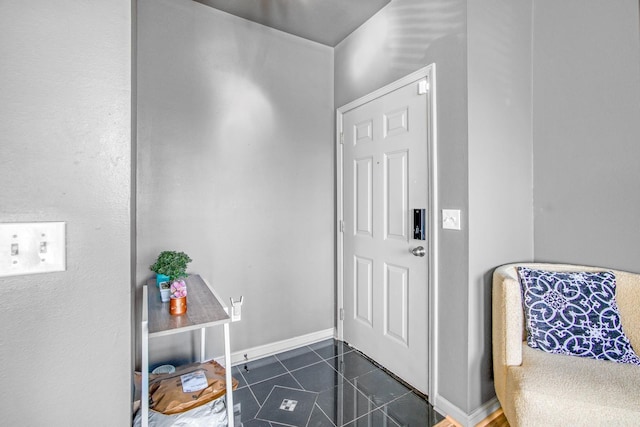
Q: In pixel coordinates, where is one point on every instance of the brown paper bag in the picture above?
(166, 391)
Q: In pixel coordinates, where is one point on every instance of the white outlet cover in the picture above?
(451, 219)
(32, 247)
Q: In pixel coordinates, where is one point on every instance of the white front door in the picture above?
(385, 176)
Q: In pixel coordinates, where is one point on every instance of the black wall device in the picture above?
(419, 221)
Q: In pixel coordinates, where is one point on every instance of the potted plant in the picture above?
(169, 267)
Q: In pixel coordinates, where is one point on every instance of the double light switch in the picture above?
(32, 247)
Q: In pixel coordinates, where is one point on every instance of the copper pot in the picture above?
(178, 306)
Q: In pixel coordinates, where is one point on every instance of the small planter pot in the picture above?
(165, 294)
(161, 278)
(177, 306)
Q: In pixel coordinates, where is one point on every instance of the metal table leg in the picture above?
(229, 378)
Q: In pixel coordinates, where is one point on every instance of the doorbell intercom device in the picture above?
(419, 220)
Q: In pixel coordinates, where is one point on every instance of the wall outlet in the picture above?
(32, 247)
(451, 219)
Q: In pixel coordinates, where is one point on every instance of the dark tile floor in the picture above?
(326, 384)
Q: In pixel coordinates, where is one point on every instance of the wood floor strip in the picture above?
(495, 419)
(448, 422)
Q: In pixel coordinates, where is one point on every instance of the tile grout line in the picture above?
(269, 378)
(267, 398)
(260, 405)
(383, 405)
(255, 398)
(326, 362)
(315, 403)
(302, 389)
(376, 366)
(290, 373)
(348, 381)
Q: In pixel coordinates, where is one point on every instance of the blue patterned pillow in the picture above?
(574, 313)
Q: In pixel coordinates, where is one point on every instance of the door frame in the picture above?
(428, 72)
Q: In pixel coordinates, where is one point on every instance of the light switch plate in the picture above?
(32, 247)
(451, 219)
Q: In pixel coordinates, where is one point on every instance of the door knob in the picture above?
(418, 251)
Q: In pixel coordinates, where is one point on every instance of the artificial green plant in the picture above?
(172, 264)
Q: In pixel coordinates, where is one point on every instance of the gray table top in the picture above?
(204, 309)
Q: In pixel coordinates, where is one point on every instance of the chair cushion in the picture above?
(554, 389)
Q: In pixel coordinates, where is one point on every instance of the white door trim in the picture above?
(428, 72)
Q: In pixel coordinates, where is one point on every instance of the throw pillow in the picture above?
(574, 313)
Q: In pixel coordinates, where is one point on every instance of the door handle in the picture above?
(418, 251)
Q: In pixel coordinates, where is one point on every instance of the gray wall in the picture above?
(236, 166)
(586, 124)
(500, 165)
(65, 155)
(405, 36)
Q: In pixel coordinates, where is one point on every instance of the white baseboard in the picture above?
(445, 407)
(277, 347)
(484, 411)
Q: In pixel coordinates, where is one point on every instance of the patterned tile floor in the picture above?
(326, 384)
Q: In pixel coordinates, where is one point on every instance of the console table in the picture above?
(204, 309)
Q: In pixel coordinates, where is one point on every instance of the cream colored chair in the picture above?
(536, 388)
